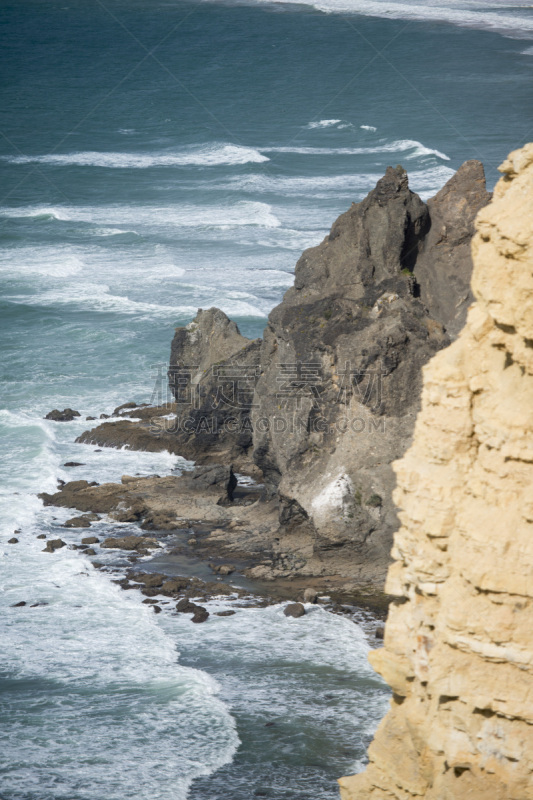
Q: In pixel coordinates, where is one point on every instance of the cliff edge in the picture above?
(458, 653)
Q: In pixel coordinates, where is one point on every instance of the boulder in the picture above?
(67, 415)
(131, 543)
(294, 610)
(77, 522)
(212, 477)
(150, 579)
(185, 606)
(73, 464)
(310, 596)
(90, 540)
(160, 521)
(13, 540)
(200, 614)
(53, 544)
(226, 569)
(174, 585)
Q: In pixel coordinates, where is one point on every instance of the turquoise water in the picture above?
(158, 157)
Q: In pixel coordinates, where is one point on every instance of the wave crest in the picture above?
(207, 156)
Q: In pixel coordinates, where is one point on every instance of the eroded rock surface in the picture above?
(458, 653)
(213, 372)
(341, 365)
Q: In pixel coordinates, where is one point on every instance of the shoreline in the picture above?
(194, 554)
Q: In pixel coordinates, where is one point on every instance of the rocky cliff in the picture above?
(458, 652)
(320, 407)
(328, 400)
(342, 357)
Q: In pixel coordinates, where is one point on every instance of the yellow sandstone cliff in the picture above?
(459, 639)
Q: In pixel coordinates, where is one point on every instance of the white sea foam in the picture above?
(53, 262)
(100, 298)
(98, 656)
(410, 146)
(347, 185)
(182, 215)
(44, 213)
(206, 156)
(368, 128)
(324, 123)
(490, 15)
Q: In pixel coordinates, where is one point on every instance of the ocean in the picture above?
(156, 158)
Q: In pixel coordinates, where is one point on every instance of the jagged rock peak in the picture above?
(372, 241)
(211, 337)
(458, 653)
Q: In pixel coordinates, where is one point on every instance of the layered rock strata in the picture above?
(458, 652)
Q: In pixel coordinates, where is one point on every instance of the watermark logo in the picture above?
(223, 399)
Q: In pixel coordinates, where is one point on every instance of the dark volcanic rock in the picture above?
(218, 477)
(53, 544)
(341, 367)
(444, 266)
(185, 606)
(200, 614)
(150, 579)
(160, 522)
(77, 522)
(90, 540)
(174, 585)
(73, 464)
(138, 543)
(294, 610)
(213, 371)
(13, 540)
(67, 415)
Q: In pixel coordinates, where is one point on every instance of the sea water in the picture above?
(158, 157)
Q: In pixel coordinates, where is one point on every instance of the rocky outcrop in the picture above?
(458, 653)
(67, 415)
(213, 372)
(327, 400)
(341, 366)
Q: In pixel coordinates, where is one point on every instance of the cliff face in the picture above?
(458, 652)
(342, 357)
